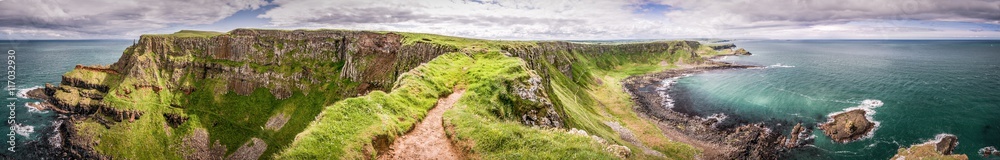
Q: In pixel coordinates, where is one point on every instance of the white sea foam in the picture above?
(33, 109)
(664, 90)
(719, 117)
(867, 105)
(23, 130)
(779, 65)
(23, 93)
(937, 139)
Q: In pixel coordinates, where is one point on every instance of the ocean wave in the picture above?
(937, 139)
(779, 65)
(719, 117)
(23, 130)
(33, 109)
(664, 91)
(23, 93)
(868, 106)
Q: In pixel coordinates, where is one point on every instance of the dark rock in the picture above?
(946, 144)
(175, 119)
(38, 93)
(988, 151)
(800, 136)
(722, 46)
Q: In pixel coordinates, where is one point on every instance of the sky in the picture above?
(515, 19)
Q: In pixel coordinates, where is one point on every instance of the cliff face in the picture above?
(180, 85)
(157, 75)
(281, 61)
(564, 58)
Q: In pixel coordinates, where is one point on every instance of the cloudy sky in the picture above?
(515, 19)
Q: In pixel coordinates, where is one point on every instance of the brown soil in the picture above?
(427, 140)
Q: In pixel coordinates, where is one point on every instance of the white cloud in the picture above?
(559, 19)
(83, 18)
(520, 19)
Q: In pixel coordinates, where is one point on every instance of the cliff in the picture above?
(253, 93)
(170, 76)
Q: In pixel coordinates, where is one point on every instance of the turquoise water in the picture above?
(928, 88)
(44, 61)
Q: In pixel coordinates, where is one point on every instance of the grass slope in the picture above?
(484, 121)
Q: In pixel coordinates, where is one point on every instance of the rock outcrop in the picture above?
(988, 151)
(800, 136)
(280, 61)
(940, 147)
(741, 51)
(848, 126)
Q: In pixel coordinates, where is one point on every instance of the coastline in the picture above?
(745, 141)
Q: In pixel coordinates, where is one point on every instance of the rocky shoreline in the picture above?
(744, 141)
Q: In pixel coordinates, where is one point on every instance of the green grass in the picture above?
(356, 127)
(190, 34)
(485, 120)
(618, 107)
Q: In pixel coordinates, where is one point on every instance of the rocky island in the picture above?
(853, 123)
(848, 126)
(939, 148)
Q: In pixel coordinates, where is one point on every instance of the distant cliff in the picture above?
(249, 92)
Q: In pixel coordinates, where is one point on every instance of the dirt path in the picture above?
(427, 140)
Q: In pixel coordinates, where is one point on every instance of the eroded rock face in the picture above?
(545, 53)
(536, 109)
(536, 90)
(848, 126)
(241, 61)
(280, 61)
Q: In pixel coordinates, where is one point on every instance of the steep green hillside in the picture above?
(287, 94)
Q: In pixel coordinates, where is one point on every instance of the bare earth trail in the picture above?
(427, 140)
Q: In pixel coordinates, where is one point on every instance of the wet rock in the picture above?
(38, 93)
(848, 126)
(988, 151)
(800, 136)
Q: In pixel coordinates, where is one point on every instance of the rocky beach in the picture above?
(745, 141)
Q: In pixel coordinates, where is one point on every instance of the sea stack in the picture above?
(848, 126)
(940, 147)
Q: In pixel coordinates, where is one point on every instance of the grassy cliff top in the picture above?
(189, 33)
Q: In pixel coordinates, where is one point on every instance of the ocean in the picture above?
(928, 87)
(38, 62)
